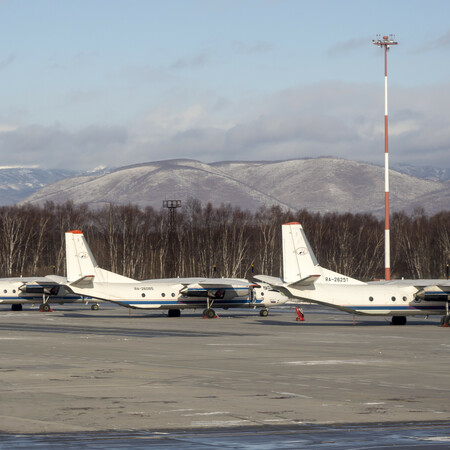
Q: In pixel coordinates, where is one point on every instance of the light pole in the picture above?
(385, 42)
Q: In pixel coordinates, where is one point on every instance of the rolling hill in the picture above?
(317, 184)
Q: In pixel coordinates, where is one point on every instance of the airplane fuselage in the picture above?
(370, 299)
(12, 292)
(158, 295)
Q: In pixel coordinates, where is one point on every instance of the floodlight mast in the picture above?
(385, 42)
(171, 206)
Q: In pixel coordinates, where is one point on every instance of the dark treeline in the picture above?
(138, 244)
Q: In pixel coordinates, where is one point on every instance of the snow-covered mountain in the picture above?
(17, 183)
(425, 172)
(320, 184)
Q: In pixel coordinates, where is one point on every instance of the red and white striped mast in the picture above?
(385, 42)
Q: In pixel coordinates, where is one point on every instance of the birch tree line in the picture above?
(218, 242)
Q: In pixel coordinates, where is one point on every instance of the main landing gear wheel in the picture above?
(45, 307)
(398, 320)
(94, 307)
(264, 313)
(209, 313)
(174, 313)
(16, 307)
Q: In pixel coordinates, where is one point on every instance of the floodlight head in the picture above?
(385, 41)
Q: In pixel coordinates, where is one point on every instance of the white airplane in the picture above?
(305, 279)
(40, 290)
(86, 278)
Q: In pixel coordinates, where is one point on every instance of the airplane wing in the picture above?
(40, 286)
(222, 282)
(444, 285)
(427, 289)
(272, 281)
(278, 282)
(416, 283)
(220, 288)
(82, 282)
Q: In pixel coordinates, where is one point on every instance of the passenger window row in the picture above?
(392, 298)
(162, 295)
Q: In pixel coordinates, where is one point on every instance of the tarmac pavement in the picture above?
(77, 370)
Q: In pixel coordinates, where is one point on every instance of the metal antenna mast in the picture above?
(385, 42)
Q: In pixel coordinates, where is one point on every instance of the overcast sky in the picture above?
(91, 83)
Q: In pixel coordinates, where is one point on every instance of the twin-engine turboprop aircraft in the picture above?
(85, 277)
(305, 279)
(41, 290)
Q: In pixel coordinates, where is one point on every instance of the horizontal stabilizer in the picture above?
(83, 282)
(307, 281)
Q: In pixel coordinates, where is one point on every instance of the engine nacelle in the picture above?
(40, 289)
(433, 295)
(212, 292)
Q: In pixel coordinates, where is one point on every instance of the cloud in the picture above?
(194, 62)
(339, 119)
(329, 118)
(78, 96)
(73, 61)
(344, 47)
(146, 73)
(55, 147)
(143, 74)
(442, 42)
(4, 127)
(259, 47)
(7, 61)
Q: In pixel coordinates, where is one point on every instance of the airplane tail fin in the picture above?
(299, 260)
(82, 268)
(300, 266)
(79, 259)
